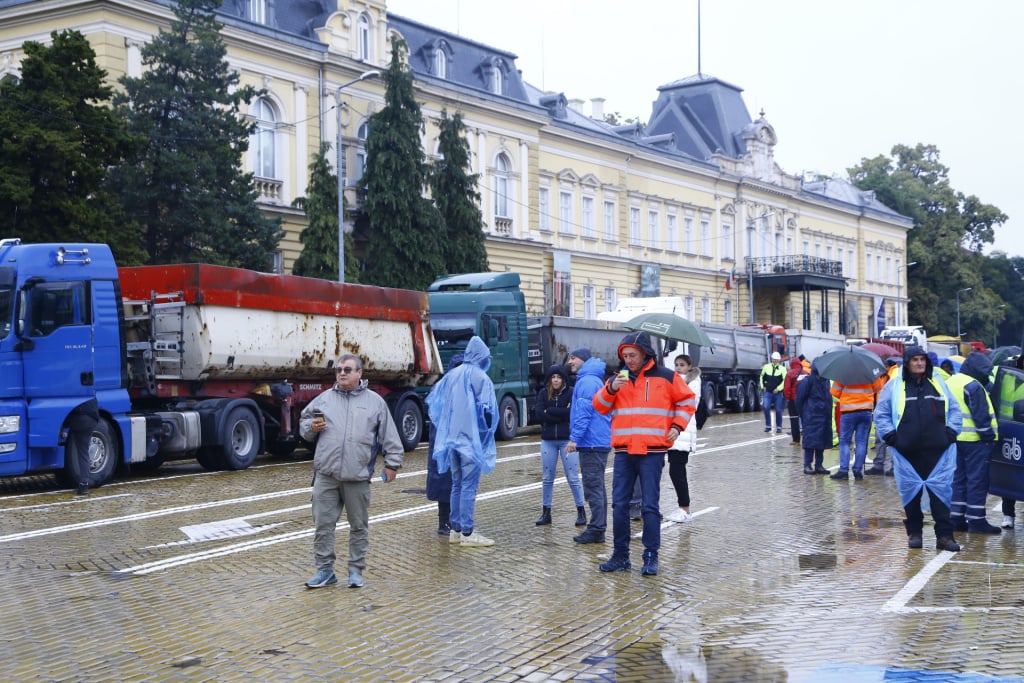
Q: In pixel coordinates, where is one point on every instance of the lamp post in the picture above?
(958, 293)
(899, 290)
(341, 171)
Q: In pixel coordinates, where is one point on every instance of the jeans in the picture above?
(627, 469)
(330, 495)
(768, 401)
(465, 482)
(550, 451)
(593, 463)
(855, 424)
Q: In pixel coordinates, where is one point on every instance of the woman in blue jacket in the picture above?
(553, 408)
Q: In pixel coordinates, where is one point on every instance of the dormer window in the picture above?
(496, 85)
(258, 11)
(494, 75)
(440, 63)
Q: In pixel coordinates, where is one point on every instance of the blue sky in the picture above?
(838, 81)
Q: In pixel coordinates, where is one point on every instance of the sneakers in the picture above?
(777, 431)
(679, 515)
(872, 471)
(589, 536)
(454, 536)
(947, 543)
(839, 475)
(475, 540)
(650, 567)
(444, 530)
(914, 541)
(767, 430)
(1007, 522)
(616, 563)
(858, 475)
(635, 512)
(324, 577)
(981, 526)
(355, 578)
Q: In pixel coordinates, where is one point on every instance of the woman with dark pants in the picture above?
(814, 405)
(685, 444)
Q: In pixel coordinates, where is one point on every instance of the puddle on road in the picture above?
(654, 661)
(817, 561)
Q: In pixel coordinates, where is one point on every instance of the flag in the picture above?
(730, 280)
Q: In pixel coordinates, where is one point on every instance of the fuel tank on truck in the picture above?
(240, 324)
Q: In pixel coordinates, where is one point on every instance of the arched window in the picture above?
(258, 11)
(360, 168)
(265, 139)
(440, 62)
(497, 79)
(364, 38)
(502, 169)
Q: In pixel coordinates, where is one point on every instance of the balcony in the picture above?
(796, 272)
(503, 226)
(269, 190)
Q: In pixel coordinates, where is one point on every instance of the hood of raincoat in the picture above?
(477, 353)
(592, 366)
(977, 366)
(639, 339)
(909, 353)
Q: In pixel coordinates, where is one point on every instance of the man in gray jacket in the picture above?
(350, 424)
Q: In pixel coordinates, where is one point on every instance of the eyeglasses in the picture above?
(347, 370)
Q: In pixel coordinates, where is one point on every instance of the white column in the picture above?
(295, 184)
(523, 224)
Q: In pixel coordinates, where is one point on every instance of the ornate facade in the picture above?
(586, 211)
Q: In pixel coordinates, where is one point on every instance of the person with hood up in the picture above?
(350, 424)
(650, 406)
(685, 444)
(814, 405)
(439, 485)
(795, 374)
(974, 445)
(552, 409)
(919, 420)
(463, 407)
(590, 433)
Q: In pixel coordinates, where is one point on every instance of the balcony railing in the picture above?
(269, 190)
(794, 265)
(503, 226)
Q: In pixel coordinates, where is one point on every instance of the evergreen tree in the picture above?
(319, 257)
(187, 189)
(58, 137)
(404, 229)
(455, 193)
(949, 231)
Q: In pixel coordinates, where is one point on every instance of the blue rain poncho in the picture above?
(464, 411)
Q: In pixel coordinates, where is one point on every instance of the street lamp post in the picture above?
(341, 171)
(899, 290)
(958, 293)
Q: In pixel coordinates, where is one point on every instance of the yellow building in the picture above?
(589, 213)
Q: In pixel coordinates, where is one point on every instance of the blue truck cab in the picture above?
(1006, 466)
(61, 344)
(492, 307)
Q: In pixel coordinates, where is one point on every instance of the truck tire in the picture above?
(753, 397)
(240, 439)
(741, 398)
(409, 420)
(210, 458)
(104, 455)
(709, 394)
(508, 419)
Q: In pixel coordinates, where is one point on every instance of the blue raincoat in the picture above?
(464, 411)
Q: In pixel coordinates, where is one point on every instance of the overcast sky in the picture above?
(839, 81)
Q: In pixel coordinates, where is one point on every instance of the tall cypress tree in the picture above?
(187, 189)
(58, 138)
(319, 257)
(404, 229)
(455, 192)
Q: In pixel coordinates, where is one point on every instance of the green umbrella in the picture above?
(670, 326)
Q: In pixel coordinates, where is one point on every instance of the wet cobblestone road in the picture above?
(781, 576)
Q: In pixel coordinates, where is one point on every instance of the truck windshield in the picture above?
(6, 305)
(452, 330)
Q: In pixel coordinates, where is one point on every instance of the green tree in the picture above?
(949, 231)
(58, 137)
(456, 196)
(1005, 276)
(187, 189)
(319, 257)
(404, 230)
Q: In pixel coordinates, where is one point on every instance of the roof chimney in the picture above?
(576, 104)
(597, 108)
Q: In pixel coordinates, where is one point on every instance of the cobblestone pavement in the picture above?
(781, 576)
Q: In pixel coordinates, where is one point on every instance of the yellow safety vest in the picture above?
(957, 385)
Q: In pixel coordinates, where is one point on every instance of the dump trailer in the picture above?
(730, 374)
(188, 360)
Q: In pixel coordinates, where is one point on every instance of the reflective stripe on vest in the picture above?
(969, 431)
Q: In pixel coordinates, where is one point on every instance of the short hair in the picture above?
(349, 356)
(685, 357)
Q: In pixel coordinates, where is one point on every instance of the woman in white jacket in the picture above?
(685, 444)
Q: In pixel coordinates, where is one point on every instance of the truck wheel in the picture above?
(508, 419)
(103, 458)
(741, 398)
(240, 439)
(709, 394)
(753, 397)
(210, 458)
(409, 419)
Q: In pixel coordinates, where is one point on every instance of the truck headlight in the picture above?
(9, 423)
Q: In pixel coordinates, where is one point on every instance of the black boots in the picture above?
(545, 517)
(581, 516)
(650, 567)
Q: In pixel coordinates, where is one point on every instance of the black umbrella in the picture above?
(850, 365)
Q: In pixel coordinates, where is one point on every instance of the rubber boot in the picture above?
(545, 517)
(581, 516)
